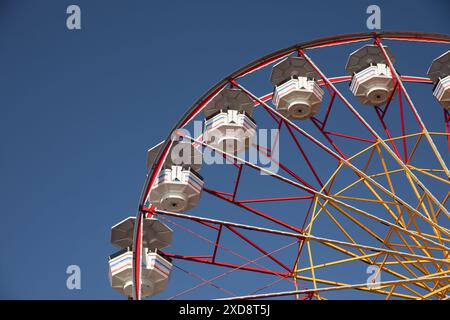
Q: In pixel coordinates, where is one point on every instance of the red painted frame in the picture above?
(320, 125)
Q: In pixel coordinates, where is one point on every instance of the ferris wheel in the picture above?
(318, 171)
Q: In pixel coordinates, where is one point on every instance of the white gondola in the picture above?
(155, 272)
(178, 186)
(182, 153)
(297, 94)
(230, 131)
(228, 125)
(121, 271)
(155, 233)
(372, 81)
(176, 189)
(439, 73)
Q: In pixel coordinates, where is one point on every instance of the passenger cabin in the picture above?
(372, 81)
(439, 73)
(297, 94)
(178, 186)
(229, 125)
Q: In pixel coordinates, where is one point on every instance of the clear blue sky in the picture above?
(80, 108)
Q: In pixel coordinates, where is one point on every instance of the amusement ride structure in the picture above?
(358, 186)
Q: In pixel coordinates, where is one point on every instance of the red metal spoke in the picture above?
(277, 138)
(296, 233)
(447, 126)
(216, 245)
(330, 105)
(285, 169)
(238, 178)
(402, 119)
(259, 248)
(327, 137)
(137, 249)
(229, 265)
(190, 273)
(347, 136)
(228, 194)
(313, 170)
(388, 133)
(254, 211)
(391, 96)
(209, 225)
(275, 199)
